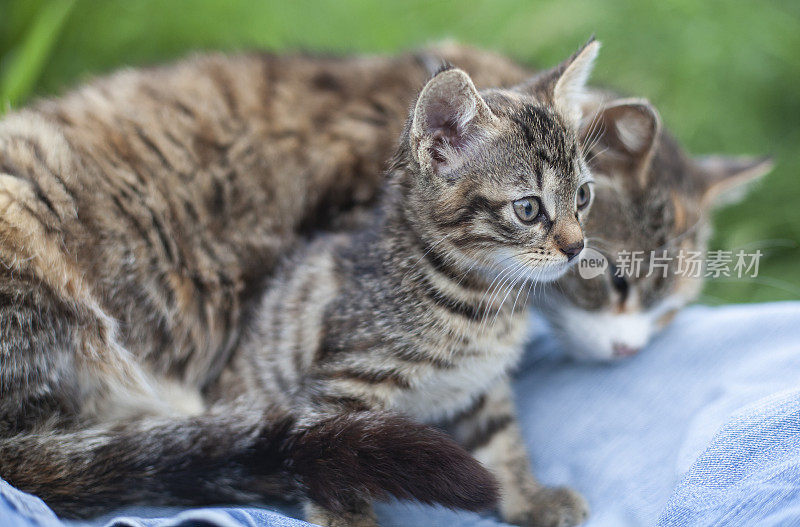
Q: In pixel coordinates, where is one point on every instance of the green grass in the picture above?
(724, 75)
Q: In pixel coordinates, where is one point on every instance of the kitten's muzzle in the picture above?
(569, 239)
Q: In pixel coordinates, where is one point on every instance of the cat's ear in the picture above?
(626, 130)
(727, 179)
(565, 85)
(449, 119)
(570, 88)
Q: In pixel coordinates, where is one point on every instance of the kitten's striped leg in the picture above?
(490, 431)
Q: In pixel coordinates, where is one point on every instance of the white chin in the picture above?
(550, 273)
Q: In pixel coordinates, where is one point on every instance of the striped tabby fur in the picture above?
(139, 219)
(422, 312)
(142, 215)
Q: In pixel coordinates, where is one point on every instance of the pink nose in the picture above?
(623, 350)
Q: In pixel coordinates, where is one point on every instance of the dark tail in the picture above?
(374, 455)
(239, 457)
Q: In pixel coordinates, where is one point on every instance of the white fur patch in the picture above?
(594, 335)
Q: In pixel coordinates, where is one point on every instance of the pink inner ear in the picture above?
(437, 149)
(444, 123)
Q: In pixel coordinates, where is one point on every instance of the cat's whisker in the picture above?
(522, 269)
(496, 287)
(781, 285)
(516, 299)
(443, 238)
(767, 244)
(599, 243)
(528, 292)
(465, 273)
(497, 291)
(595, 124)
(529, 279)
(701, 219)
(489, 287)
(595, 139)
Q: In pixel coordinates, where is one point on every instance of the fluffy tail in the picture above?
(374, 455)
(239, 457)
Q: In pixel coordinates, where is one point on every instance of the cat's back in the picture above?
(174, 190)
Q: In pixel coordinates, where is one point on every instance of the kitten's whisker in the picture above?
(516, 299)
(507, 272)
(490, 292)
(599, 133)
(424, 255)
(594, 126)
(522, 269)
(513, 269)
(532, 286)
(600, 243)
(530, 261)
(776, 283)
(489, 288)
(464, 275)
(596, 134)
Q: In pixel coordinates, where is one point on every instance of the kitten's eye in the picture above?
(527, 209)
(583, 197)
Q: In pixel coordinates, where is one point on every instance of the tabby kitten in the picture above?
(422, 313)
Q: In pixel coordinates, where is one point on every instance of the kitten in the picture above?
(423, 313)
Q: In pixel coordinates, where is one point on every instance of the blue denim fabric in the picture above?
(701, 428)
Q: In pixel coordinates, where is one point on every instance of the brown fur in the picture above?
(420, 312)
(142, 215)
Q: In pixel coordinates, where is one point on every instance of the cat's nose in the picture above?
(572, 250)
(569, 238)
(623, 350)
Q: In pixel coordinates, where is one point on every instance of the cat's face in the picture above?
(653, 201)
(502, 185)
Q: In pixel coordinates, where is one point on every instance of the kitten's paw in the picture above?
(321, 516)
(553, 507)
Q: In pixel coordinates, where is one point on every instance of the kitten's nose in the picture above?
(569, 238)
(572, 250)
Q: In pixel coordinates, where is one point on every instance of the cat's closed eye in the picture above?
(527, 209)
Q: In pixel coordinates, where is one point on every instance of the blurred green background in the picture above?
(724, 75)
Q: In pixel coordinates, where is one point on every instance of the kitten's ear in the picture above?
(570, 88)
(626, 130)
(726, 179)
(449, 119)
(565, 85)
